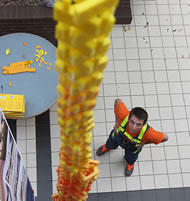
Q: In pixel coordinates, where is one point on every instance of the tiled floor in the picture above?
(149, 66)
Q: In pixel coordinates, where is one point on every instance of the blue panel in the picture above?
(39, 88)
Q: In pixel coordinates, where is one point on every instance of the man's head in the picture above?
(137, 118)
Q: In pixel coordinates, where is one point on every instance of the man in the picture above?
(131, 132)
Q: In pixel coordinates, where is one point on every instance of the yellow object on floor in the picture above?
(12, 105)
(18, 67)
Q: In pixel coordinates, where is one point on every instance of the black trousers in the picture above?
(118, 139)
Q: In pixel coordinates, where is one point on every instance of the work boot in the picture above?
(129, 170)
(102, 150)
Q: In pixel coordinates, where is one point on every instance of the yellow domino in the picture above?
(64, 52)
(102, 46)
(58, 14)
(79, 98)
(83, 70)
(91, 27)
(87, 49)
(107, 23)
(96, 79)
(60, 91)
(63, 32)
(100, 63)
(86, 9)
(89, 104)
(74, 109)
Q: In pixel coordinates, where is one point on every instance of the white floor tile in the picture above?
(130, 42)
(151, 101)
(145, 168)
(135, 77)
(30, 121)
(184, 151)
(149, 88)
(147, 182)
(99, 129)
(168, 126)
(108, 78)
(55, 131)
(116, 155)
(171, 152)
(137, 101)
(117, 169)
(133, 183)
(110, 90)
(55, 144)
(53, 118)
(118, 42)
(159, 167)
(183, 138)
(177, 100)
(104, 158)
(104, 170)
(175, 87)
(118, 184)
(21, 132)
(159, 64)
(171, 64)
(161, 181)
(32, 174)
(120, 65)
(104, 185)
(99, 141)
(136, 89)
(55, 158)
(117, 31)
(123, 89)
(134, 65)
(173, 76)
(186, 179)
(31, 160)
(99, 116)
(30, 132)
(175, 180)
(31, 146)
(99, 103)
(158, 153)
(148, 77)
(122, 77)
(145, 154)
(185, 165)
(173, 166)
(181, 125)
(22, 146)
(119, 53)
(172, 139)
(166, 113)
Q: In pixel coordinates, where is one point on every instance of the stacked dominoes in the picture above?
(82, 31)
(12, 105)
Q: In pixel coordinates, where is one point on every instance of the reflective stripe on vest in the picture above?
(122, 129)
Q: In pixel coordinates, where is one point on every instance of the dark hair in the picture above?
(139, 113)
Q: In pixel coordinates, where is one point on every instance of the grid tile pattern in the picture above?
(26, 141)
(149, 66)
